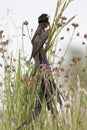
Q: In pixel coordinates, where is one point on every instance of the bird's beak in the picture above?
(48, 16)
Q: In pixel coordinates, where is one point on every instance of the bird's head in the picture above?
(43, 18)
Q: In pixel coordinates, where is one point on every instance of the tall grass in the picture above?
(21, 84)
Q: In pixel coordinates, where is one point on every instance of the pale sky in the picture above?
(30, 10)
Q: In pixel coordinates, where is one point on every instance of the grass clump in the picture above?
(20, 85)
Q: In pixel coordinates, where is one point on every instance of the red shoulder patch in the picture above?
(47, 25)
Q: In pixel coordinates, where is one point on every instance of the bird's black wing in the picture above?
(38, 40)
(42, 39)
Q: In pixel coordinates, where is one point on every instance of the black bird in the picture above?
(40, 36)
(39, 55)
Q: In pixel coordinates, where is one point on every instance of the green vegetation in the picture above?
(20, 85)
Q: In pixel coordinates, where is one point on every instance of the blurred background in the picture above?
(14, 12)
